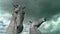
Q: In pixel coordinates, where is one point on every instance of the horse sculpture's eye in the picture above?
(23, 13)
(16, 12)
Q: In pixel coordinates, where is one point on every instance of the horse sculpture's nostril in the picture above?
(16, 12)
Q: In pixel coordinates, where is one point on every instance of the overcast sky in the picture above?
(35, 9)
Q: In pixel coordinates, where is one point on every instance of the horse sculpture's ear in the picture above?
(44, 19)
(15, 6)
(30, 21)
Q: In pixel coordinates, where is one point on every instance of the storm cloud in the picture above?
(35, 9)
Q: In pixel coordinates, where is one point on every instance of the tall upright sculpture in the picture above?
(34, 26)
(16, 25)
